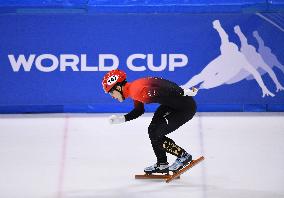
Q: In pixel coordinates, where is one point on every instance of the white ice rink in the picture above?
(82, 156)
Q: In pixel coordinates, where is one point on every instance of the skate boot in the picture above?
(180, 162)
(157, 168)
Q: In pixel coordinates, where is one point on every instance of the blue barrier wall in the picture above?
(54, 61)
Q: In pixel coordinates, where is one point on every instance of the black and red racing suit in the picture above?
(175, 109)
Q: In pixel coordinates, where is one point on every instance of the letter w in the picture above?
(21, 61)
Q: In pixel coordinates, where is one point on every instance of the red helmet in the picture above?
(112, 78)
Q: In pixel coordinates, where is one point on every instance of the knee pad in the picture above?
(171, 147)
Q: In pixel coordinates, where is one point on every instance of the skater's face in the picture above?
(116, 94)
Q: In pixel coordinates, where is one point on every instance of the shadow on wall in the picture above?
(234, 65)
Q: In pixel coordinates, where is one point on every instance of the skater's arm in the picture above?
(136, 112)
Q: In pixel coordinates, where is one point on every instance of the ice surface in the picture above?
(83, 156)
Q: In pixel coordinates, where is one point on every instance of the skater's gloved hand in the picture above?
(114, 119)
(190, 92)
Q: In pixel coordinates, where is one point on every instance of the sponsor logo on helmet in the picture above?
(112, 79)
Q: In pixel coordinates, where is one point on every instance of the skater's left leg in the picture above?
(156, 133)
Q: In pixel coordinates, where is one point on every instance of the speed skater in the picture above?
(177, 107)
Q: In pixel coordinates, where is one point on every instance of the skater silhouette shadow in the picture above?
(224, 68)
(266, 53)
(255, 59)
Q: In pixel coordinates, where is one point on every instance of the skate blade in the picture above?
(184, 169)
(154, 176)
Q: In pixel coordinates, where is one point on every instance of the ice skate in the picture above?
(176, 174)
(157, 168)
(156, 171)
(180, 162)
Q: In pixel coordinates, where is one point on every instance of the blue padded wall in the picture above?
(40, 40)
